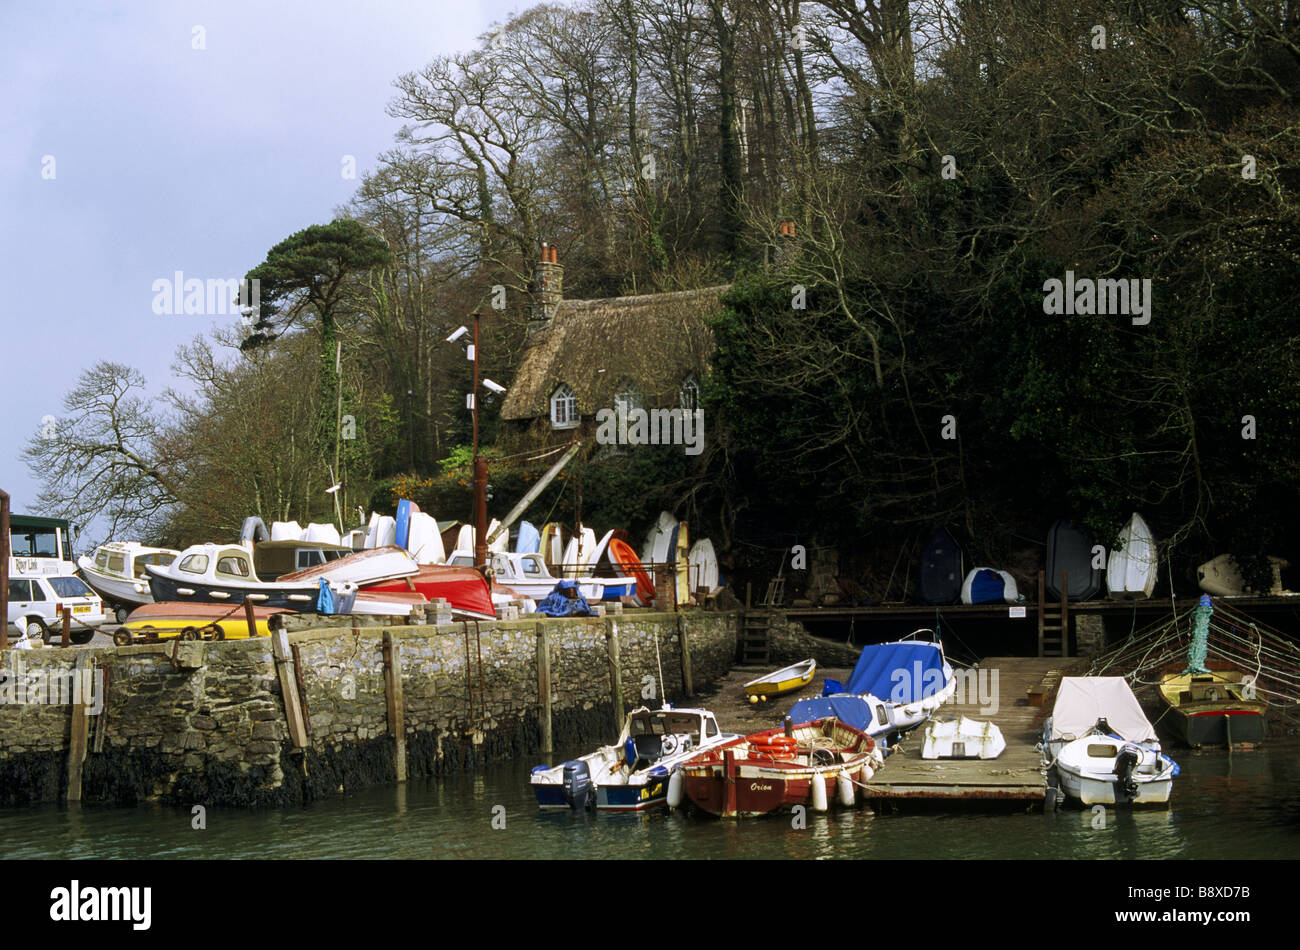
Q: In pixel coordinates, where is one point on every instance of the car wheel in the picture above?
(36, 630)
(82, 636)
(121, 613)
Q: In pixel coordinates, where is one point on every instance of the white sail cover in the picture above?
(1082, 700)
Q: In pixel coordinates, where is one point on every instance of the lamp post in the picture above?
(480, 468)
(480, 464)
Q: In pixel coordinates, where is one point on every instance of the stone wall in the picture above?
(205, 722)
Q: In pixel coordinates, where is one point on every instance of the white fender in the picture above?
(846, 790)
(676, 789)
(819, 793)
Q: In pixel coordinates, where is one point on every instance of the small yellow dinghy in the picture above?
(786, 680)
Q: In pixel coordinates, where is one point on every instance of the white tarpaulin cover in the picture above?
(1082, 700)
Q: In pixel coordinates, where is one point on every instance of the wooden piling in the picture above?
(615, 673)
(688, 684)
(249, 618)
(393, 695)
(289, 689)
(544, 686)
(67, 627)
(82, 675)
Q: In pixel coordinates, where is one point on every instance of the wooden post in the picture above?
(615, 673)
(249, 618)
(729, 777)
(687, 681)
(289, 689)
(67, 627)
(1065, 613)
(82, 673)
(544, 687)
(393, 694)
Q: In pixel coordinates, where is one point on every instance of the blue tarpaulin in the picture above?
(898, 672)
(559, 604)
(987, 587)
(325, 599)
(852, 710)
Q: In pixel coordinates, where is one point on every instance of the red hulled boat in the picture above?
(810, 764)
(463, 587)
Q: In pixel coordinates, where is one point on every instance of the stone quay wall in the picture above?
(208, 723)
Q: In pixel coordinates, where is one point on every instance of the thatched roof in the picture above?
(654, 340)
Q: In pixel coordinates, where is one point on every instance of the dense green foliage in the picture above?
(892, 365)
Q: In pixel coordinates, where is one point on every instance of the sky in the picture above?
(145, 137)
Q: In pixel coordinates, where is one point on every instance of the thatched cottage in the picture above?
(646, 352)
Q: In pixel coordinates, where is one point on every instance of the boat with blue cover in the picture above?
(894, 687)
(632, 774)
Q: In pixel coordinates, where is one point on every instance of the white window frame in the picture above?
(564, 408)
(690, 385)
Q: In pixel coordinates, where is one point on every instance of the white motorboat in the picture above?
(116, 571)
(1101, 748)
(636, 772)
(223, 573)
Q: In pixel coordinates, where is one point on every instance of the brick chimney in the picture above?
(786, 247)
(547, 289)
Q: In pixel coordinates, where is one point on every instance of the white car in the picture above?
(36, 605)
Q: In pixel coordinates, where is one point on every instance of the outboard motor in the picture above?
(1125, 764)
(579, 792)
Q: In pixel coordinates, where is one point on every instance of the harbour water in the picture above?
(1244, 806)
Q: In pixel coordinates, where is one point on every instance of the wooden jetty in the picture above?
(1013, 776)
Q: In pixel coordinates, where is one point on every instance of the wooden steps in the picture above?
(1053, 619)
(755, 637)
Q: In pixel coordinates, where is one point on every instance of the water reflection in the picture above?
(1243, 806)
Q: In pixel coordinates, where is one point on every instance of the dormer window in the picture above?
(690, 394)
(564, 408)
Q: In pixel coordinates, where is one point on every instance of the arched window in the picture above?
(564, 408)
(690, 394)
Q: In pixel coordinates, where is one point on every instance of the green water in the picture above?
(1239, 807)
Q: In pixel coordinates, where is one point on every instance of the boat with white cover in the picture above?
(1100, 746)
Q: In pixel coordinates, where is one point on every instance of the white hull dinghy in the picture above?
(962, 738)
(1131, 570)
(1101, 748)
